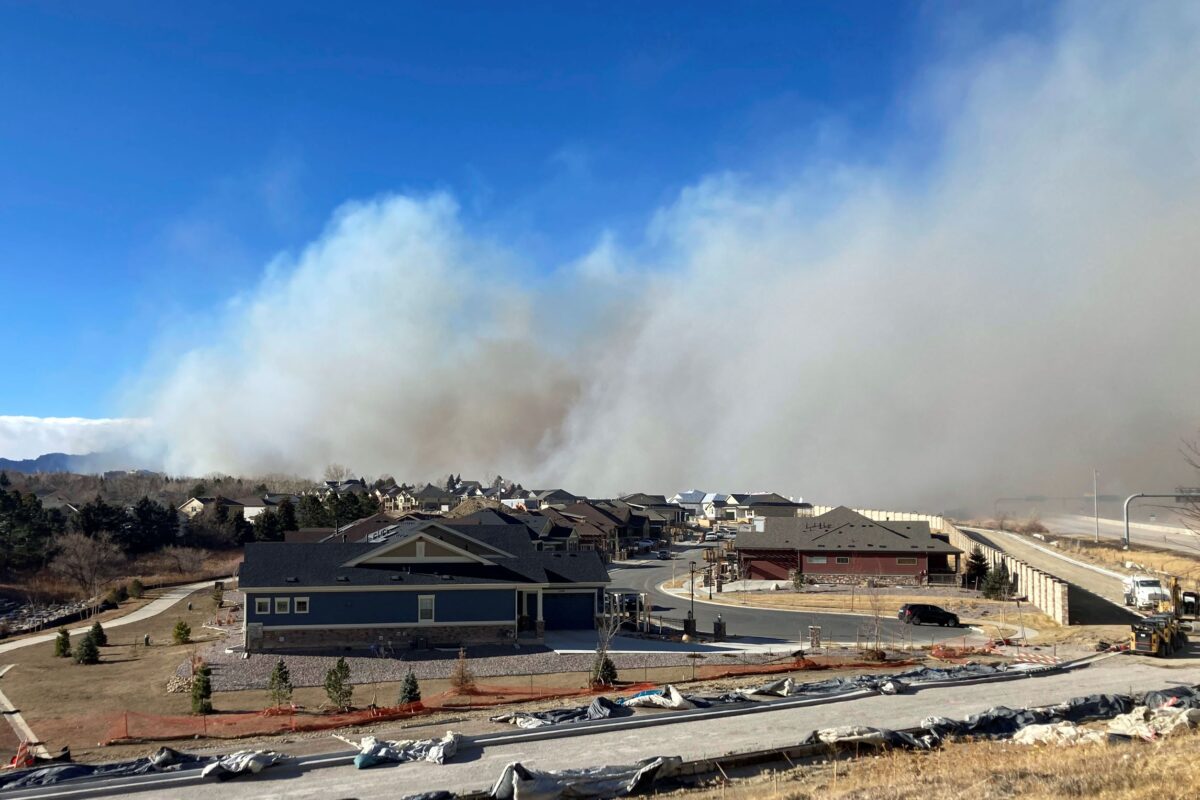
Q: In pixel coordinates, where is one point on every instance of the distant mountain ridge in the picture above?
(87, 464)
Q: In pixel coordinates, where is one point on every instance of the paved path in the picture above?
(1166, 537)
(156, 606)
(474, 769)
(759, 626)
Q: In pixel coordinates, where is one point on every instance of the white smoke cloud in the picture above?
(29, 437)
(1017, 313)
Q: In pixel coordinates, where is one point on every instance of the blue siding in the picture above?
(571, 611)
(382, 608)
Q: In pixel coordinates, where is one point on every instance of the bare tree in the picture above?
(185, 559)
(87, 562)
(337, 472)
(608, 625)
(1191, 507)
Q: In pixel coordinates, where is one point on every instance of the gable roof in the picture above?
(842, 529)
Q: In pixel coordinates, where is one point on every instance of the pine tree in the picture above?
(280, 685)
(136, 588)
(86, 652)
(182, 634)
(202, 690)
(977, 568)
(62, 644)
(338, 688)
(287, 516)
(98, 635)
(997, 585)
(461, 678)
(410, 690)
(605, 673)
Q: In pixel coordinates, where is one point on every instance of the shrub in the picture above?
(997, 585)
(202, 690)
(98, 635)
(182, 634)
(977, 568)
(136, 589)
(280, 685)
(338, 688)
(461, 678)
(604, 672)
(62, 644)
(87, 652)
(116, 595)
(410, 690)
(218, 596)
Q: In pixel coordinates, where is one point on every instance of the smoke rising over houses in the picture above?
(1012, 311)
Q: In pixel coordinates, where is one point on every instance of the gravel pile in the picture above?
(232, 672)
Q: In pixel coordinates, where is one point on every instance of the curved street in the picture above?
(757, 625)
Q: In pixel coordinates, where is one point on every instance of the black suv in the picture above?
(920, 614)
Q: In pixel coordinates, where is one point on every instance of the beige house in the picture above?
(196, 505)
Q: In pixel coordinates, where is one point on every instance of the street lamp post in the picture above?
(1096, 501)
(692, 590)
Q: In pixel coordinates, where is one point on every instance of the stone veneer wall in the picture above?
(398, 638)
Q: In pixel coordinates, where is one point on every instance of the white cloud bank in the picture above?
(30, 437)
(1023, 312)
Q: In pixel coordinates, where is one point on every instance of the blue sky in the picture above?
(153, 158)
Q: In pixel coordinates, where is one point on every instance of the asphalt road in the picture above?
(1165, 537)
(753, 624)
(475, 769)
(1093, 597)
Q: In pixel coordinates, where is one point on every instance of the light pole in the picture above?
(1180, 497)
(1096, 501)
(692, 590)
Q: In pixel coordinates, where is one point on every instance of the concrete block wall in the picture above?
(937, 523)
(1047, 593)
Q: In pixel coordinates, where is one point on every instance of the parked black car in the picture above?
(921, 614)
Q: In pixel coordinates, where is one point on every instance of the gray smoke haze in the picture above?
(1000, 321)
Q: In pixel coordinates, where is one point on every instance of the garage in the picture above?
(568, 611)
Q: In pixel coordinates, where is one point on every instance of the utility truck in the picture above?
(1142, 591)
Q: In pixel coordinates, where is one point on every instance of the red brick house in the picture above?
(842, 546)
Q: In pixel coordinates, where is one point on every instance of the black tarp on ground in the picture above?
(165, 759)
(600, 708)
(518, 782)
(1177, 696)
(889, 684)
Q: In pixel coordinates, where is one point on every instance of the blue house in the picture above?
(440, 584)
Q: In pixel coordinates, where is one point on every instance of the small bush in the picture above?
(116, 595)
(87, 652)
(338, 688)
(136, 589)
(202, 690)
(98, 635)
(62, 644)
(182, 634)
(410, 690)
(604, 672)
(462, 679)
(218, 597)
(280, 685)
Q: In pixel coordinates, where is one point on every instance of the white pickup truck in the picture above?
(1142, 591)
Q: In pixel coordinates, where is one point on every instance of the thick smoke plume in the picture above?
(1002, 319)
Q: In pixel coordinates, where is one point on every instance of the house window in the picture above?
(425, 608)
(262, 605)
(301, 605)
(843, 559)
(283, 605)
(816, 559)
(906, 562)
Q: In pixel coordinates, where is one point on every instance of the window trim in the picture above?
(284, 603)
(432, 598)
(906, 561)
(258, 603)
(817, 559)
(296, 601)
(841, 559)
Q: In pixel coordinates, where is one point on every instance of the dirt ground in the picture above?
(67, 703)
(1133, 770)
(1186, 567)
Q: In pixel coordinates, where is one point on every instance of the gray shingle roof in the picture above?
(842, 529)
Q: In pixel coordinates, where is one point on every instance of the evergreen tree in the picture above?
(997, 585)
(182, 633)
(62, 644)
(98, 635)
(287, 516)
(136, 588)
(410, 690)
(4, 481)
(267, 527)
(604, 672)
(202, 690)
(977, 568)
(86, 652)
(312, 513)
(96, 516)
(338, 688)
(280, 685)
